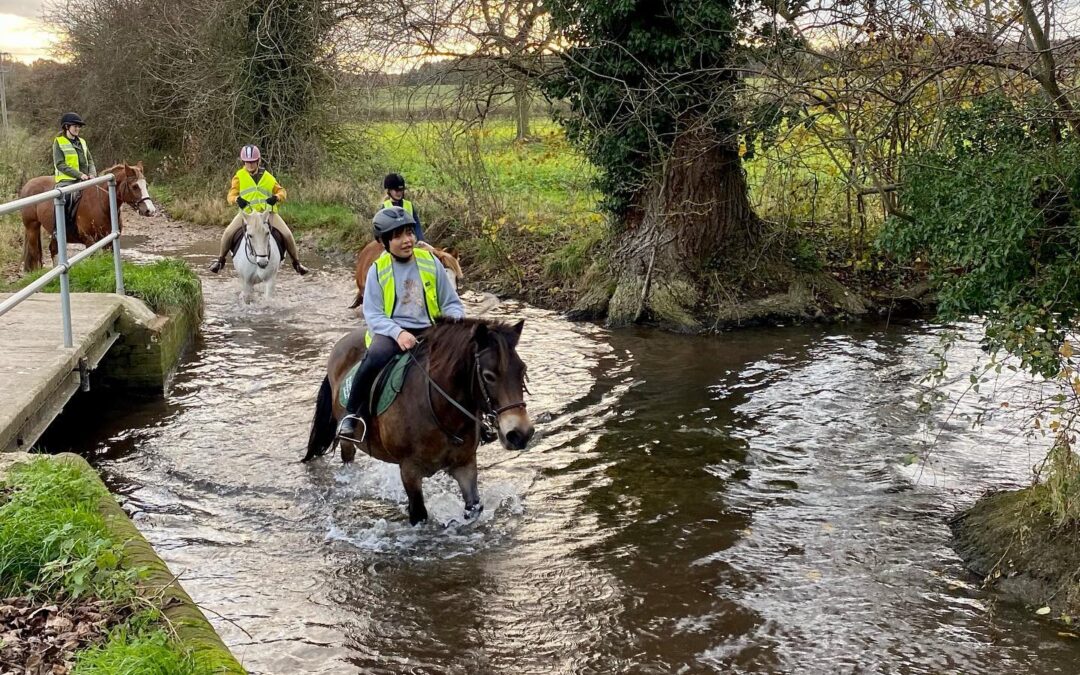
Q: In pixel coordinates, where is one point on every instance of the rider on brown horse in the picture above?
(72, 160)
(255, 189)
(407, 289)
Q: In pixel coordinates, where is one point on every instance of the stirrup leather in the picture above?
(361, 421)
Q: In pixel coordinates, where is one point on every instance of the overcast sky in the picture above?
(29, 8)
(22, 32)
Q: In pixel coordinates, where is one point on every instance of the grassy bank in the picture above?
(1012, 541)
(162, 285)
(521, 215)
(56, 550)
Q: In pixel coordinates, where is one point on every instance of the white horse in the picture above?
(258, 258)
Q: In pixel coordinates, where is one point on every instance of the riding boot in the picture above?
(216, 266)
(381, 351)
(356, 407)
(300, 269)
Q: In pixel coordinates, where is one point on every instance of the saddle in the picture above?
(238, 241)
(388, 384)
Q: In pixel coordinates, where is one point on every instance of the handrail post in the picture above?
(117, 265)
(61, 248)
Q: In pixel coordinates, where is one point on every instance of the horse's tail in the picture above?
(357, 300)
(323, 429)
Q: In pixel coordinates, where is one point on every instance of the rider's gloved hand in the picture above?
(271, 200)
(241, 202)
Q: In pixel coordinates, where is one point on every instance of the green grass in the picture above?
(52, 537)
(54, 544)
(474, 188)
(133, 650)
(162, 285)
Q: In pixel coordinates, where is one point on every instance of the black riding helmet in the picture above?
(69, 119)
(388, 221)
(393, 181)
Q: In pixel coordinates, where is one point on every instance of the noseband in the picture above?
(249, 246)
(134, 202)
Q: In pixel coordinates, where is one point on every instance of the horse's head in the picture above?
(501, 375)
(131, 188)
(257, 237)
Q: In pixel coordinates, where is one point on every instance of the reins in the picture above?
(488, 418)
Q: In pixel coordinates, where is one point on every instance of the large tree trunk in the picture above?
(698, 210)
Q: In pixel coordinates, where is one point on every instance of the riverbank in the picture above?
(1010, 540)
(84, 592)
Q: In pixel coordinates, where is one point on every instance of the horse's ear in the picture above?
(480, 333)
(517, 331)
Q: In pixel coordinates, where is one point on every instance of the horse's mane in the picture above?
(448, 344)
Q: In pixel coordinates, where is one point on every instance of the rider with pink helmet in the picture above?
(255, 189)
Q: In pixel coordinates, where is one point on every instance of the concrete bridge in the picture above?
(116, 338)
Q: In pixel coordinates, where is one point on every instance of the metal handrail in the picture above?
(62, 265)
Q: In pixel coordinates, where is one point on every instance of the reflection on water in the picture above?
(740, 503)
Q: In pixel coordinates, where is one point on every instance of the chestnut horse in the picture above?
(92, 219)
(366, 258)
(464, 371)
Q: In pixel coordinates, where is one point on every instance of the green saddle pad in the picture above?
(391, 380)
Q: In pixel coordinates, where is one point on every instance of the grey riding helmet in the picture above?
(388, 220)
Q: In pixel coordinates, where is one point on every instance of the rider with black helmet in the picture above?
(407, 289)
(71, 160)
(394, 184)
(71, 156)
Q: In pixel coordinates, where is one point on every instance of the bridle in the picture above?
(489, 415)
(249, 246)
(126, 185)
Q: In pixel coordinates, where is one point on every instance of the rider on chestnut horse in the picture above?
(72, 160)
(407, 289)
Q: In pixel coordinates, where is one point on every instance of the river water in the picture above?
(764, 501)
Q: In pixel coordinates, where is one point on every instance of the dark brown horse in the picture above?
(476, 364)
(366, 258)
(92, 219)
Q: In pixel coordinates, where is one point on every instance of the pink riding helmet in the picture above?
(250, 153)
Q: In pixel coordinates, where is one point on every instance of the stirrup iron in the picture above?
(360, 421)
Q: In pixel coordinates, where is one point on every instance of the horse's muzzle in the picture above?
(262, 263)
(518, 439)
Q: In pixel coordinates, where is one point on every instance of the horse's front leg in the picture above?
(466, 479)
(268, 287)
(413, 480)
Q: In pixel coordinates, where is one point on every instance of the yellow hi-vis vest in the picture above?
(405, 204)
(70, 157)
(256, 194)
(425, 261)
